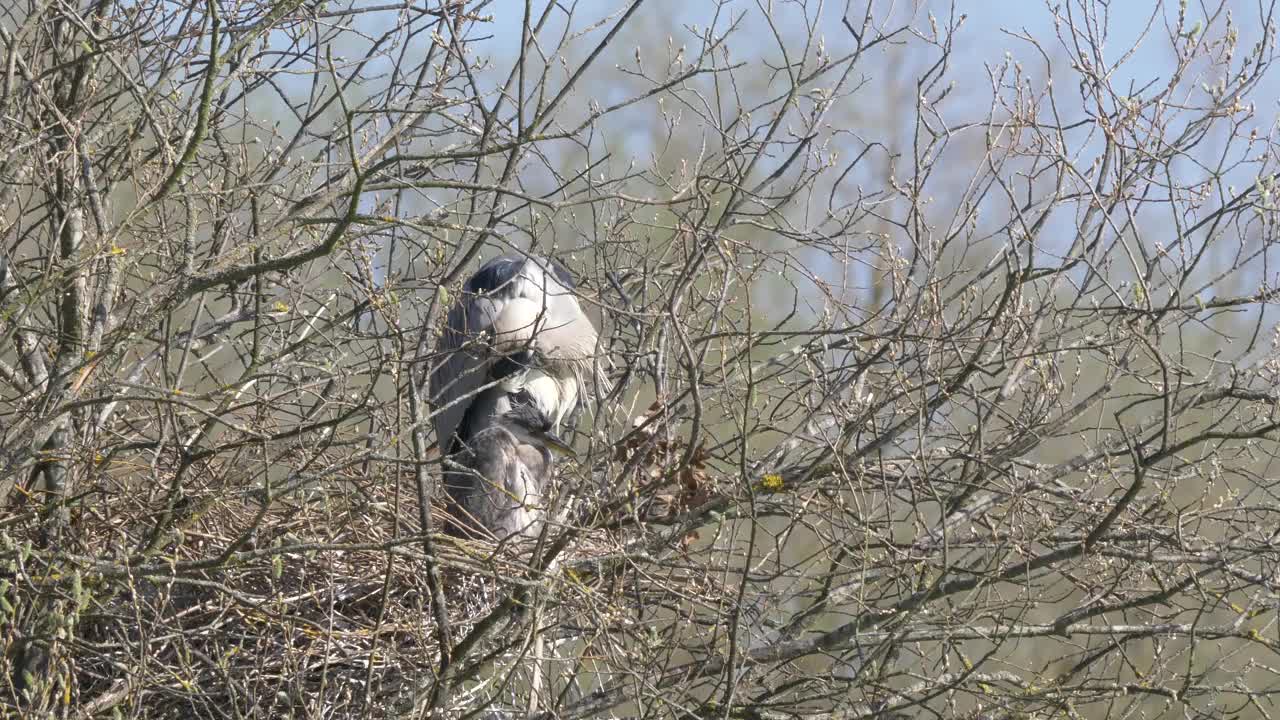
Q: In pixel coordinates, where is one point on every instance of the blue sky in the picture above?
(987, 35)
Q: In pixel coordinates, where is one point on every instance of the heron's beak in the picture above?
(558, 446)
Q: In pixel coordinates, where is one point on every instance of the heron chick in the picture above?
(497, 484)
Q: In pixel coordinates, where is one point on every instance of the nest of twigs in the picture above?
(208, 603)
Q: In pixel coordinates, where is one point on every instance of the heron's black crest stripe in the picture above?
(499, 271)
(494, 274)
(526, 413)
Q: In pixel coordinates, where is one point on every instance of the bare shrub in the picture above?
(935, 391)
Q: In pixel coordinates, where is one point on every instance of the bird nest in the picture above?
(214, 605)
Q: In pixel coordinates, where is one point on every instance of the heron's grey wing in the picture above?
(464, 368)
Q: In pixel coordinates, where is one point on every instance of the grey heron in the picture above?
(518, 355)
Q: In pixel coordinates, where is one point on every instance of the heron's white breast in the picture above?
(520, 319)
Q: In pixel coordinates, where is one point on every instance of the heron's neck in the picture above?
(486, 406)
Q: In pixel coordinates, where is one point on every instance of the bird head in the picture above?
(532, 425)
